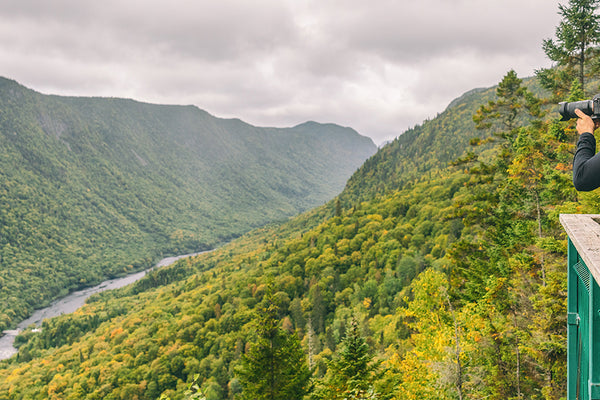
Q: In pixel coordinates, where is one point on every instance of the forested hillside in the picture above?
(439, 273)
(91, 188)
(455, 282)
(419, 151)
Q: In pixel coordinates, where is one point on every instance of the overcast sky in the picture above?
(378, 66)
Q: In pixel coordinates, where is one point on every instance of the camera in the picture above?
(589, 107)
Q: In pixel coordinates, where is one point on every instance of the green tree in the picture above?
(504, 115)
(577, 32)
(193, 393)
(274, 368)
(352, 374)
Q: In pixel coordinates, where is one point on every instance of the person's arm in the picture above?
(586, 163)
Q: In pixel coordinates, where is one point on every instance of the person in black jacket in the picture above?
(586, 163)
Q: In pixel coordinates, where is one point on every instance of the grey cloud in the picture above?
(379, 66)
(205, 30)
(410, 31)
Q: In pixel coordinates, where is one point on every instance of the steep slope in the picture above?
(429, 146)
(96, 187)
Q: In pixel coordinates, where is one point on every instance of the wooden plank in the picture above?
(584, 232)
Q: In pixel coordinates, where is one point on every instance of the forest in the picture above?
(93, 188)
(438, 273)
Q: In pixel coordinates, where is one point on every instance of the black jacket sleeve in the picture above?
(586, 164)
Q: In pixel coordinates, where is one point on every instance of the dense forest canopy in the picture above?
(438, 273)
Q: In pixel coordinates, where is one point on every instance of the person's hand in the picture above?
(585, 123)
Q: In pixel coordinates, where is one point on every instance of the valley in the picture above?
(97, 188)
(315, 265)
(436, 255)
(72, 302)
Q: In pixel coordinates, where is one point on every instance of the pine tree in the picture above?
(352, 373)
(505, 115)
(576, 34)
(274, 368)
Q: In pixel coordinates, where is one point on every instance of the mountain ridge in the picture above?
(98, 187)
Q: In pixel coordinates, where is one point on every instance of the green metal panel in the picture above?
(582, 342)
(583, 335)
(573, 362)
(593, 340)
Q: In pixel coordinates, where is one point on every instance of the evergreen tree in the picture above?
(274, 368)
(352, 374)
(504, 115)
(576, 34)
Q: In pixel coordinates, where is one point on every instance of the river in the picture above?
(72, 302)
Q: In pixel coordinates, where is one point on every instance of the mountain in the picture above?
(451, 268)
(92, 188)
(426, 147)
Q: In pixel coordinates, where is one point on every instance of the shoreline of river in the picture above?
(73, 301)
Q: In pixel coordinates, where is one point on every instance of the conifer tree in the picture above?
(352, 373)
(274, 368)
(503, 116)
(576, 34)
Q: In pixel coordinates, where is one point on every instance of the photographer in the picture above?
(586, 163)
